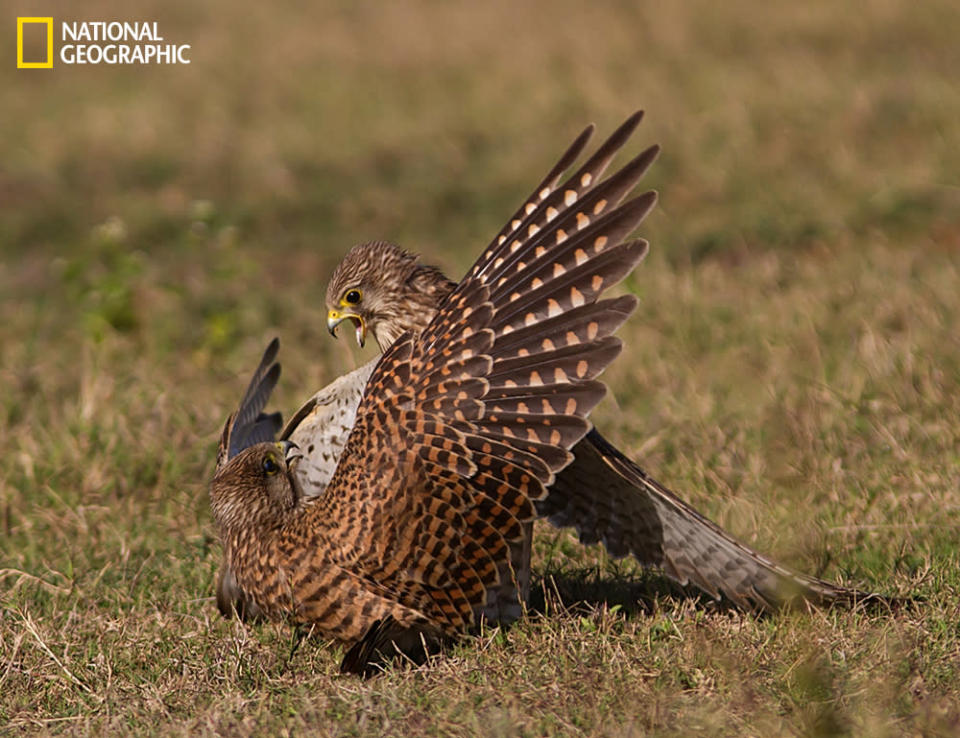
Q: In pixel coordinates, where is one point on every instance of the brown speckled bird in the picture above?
(319, 430)
(385, 291)
(462, 427)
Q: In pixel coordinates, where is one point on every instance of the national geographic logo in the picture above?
(46, 26)
(95, 42)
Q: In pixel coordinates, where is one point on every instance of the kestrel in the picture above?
(320, 430)
(385, 291)
(461, 429)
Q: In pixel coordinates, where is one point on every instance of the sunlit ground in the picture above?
(793, 370)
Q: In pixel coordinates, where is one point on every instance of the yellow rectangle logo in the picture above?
(21, 64)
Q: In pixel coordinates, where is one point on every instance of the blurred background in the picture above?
(793, 370)
(159, 224)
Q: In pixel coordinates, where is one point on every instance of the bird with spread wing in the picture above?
(392, 510)
(385, 291)
(461, 430)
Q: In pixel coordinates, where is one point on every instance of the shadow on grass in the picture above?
(574, 589)
(584, 589)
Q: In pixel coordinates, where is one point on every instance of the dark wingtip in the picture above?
(635, 117)
(651, 153)
(580, 141)
(273, 348)
(626, 129)
(250, 425)
(387, 640)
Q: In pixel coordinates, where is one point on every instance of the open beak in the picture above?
(336, 317)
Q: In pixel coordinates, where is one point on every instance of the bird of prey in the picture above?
(386, 292)
(462, 428)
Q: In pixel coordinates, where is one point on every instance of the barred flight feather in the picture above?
(567, 329)
(663, 531)
(545, 187)
(573, 290)
(584, 365)
(467, 308)
(548, 400)
(556, 221)
(528, 458)
(553, 430)
(570, 191)
(466, 376)
(579, 259)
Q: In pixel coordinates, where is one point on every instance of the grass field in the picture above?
(793, 370)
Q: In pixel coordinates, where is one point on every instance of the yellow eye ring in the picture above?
(352, 297)
(270, 465)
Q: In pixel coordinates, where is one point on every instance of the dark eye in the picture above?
(270, 465)
(352, 297)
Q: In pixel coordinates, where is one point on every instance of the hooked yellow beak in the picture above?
(336, 317)
(290, 451)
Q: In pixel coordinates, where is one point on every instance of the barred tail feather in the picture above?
(635, 514)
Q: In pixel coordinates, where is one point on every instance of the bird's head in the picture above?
(257, 490)
(384, 291)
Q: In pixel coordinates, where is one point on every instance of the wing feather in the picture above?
(457, 434)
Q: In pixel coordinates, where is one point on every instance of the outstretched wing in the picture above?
(249, 425)
(462, 427)
(551, 200)
(635, 514)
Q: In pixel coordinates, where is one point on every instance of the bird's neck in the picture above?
(425, 289)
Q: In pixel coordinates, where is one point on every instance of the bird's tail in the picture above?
(635, 514)
(387, 640)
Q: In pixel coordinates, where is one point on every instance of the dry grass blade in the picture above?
(793, 367)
